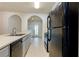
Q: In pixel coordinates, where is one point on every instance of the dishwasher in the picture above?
(16, 49)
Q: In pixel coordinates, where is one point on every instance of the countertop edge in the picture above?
(3, 46)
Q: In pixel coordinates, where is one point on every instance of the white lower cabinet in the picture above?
(26, 43)
(5, 52)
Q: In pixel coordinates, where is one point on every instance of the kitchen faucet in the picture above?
(13, 31)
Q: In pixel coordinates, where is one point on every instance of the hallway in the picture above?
(37, 49)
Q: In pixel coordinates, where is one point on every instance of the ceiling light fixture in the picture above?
(36, 4)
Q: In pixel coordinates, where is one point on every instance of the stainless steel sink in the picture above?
(17, 35)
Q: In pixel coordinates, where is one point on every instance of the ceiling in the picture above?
(45, 7)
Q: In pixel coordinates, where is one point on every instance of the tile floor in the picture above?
(37, 49)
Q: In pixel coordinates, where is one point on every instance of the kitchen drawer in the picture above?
(5, 52)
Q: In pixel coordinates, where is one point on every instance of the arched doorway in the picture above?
(14, 22)
(35, 26)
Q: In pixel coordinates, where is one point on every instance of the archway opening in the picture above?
(35, 26)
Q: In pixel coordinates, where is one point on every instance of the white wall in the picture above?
(1, 24)
(4, 16)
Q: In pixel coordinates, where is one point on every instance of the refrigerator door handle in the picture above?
(49, 39)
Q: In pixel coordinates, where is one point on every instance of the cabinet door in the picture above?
(26, 44)
(29, 40)
(5, 52)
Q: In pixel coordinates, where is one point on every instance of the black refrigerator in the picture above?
(62, 33)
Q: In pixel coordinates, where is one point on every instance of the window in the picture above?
(36, 29)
